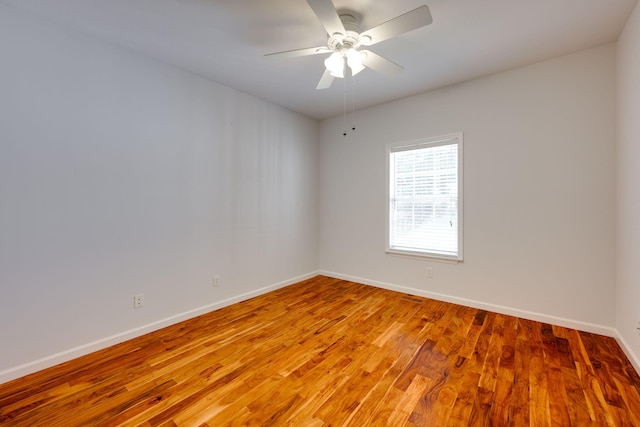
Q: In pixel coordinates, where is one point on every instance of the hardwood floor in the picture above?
(330, 352)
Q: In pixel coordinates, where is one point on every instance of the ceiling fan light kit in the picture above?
(336, 61)
(345, 38)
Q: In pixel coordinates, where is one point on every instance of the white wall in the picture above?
(121, 175)
(628, 231)
(539, 191)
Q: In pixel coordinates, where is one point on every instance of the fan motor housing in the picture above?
(338, 42)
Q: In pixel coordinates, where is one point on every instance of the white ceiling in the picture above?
(225, 40)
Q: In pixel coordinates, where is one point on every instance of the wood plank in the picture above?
(503, 391)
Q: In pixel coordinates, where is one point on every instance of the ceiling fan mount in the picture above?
(345, 38)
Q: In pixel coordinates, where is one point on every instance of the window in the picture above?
(425, 198)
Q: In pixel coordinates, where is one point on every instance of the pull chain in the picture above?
(353, 103)
(344, 105)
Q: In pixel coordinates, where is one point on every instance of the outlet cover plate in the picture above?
(138, 301)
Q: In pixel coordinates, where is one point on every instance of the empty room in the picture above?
(319, 213)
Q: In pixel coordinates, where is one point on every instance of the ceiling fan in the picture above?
(346, 40)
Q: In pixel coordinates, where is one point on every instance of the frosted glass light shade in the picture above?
(354, 60)
(335, 65)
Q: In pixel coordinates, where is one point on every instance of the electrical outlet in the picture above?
(216, 281)
(138, 301)
(429, 272)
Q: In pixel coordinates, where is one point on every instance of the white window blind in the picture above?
(425, 181)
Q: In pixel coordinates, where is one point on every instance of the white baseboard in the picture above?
(635, 361)
(64, 356)
(72, 353)
(539, 317)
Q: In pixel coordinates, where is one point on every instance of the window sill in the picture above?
(424, 256)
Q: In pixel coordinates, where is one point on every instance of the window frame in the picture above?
(449, 139)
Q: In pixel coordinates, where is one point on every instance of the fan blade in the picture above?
(380, 64)
(325, 80)
(412, 20)
(298, 52)
(328, 16)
